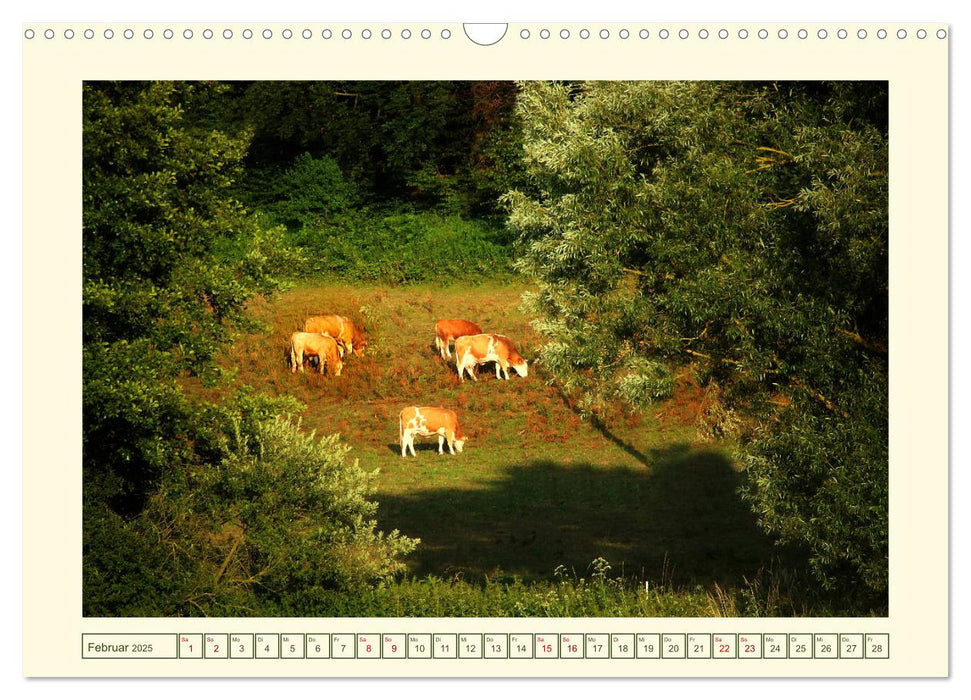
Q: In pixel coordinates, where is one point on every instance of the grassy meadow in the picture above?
(539, 491)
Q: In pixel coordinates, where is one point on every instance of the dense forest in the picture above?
(723, 240)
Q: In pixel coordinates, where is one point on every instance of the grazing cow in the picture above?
(473, 350)
(448, 329)
(305, 345)
(427, 422)
(339, 328)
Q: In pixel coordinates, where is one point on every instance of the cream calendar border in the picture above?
(54, 67)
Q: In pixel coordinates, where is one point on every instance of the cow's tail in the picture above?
(293, 358)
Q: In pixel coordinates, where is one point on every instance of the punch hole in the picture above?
(763, 34)
(544, 34)
(148, 34)
(644, 34)
(524, 34)
(227, 33)
(446, 34)
(881, 34)
(327, 34)
(247, 33)
(861, 34)
(385, 33)
(29, 34)
(624, 34)
(941, 34)
(921, 33)
(307, 34)
(287, 33)
(703, 33)
(89, 34)
(722, 33)
(901, 33)
(564, 33)
(426, 33)
(346, 34)
(129, 34)
(822, 34)
(842, 33)
(366, 34)
(48, 33)
(109, 34)
(405, 33)
(743, 33)
(783, 34)
(802, 34)
(68, 33)
(584, 33)
(267, 34)
(207, 34)
(683, 33)
(168, 34)
(187, 34)
(604, 34)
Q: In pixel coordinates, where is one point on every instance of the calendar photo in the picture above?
(476, 348)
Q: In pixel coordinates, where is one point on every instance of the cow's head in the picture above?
(338, 367)
(459, 442)
(518, 363)
(341, 348)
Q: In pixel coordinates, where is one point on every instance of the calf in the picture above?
(305, 345)
(448, 329)
(473, 350)
(426, 422)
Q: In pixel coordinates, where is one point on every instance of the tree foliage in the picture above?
(740, 228)
(169, 262)
(443, 145)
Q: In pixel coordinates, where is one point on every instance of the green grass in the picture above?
(537, 487)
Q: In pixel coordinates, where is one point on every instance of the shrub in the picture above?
(398, 247)
(277, 514)
(311, 192)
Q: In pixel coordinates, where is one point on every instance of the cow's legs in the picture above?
(451, 443)
(404, 445)
(411, 444)
(441, 440)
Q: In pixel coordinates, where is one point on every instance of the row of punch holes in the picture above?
(489, 37)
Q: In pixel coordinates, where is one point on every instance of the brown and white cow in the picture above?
(325, 348)
(426, 421)
(473, 350)
(448, 329)
(339, 328)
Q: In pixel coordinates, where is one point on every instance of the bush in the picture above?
(399, 247)
(310, 193)
(278, 514)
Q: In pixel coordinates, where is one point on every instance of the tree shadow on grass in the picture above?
(680, 521)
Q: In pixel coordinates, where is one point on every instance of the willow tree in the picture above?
(739, 229)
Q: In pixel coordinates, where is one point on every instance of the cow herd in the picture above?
(325, 340)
